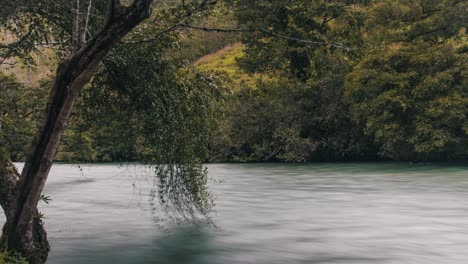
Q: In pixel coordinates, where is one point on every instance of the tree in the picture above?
(41, 21)
(17, 102)
(300, 115)
(308, 26)
(388, 81)
(410, 88)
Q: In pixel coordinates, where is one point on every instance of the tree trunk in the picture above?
(9, 178)
(20, 201)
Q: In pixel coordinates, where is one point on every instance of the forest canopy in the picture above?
(325, 81)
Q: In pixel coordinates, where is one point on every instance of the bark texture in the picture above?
(9, 178)
(20, 201)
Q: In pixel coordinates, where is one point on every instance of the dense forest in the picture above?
(175, 84)
(290, 81)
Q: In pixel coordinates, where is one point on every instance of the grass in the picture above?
(224, 61)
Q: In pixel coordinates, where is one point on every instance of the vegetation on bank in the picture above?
(11, 258)
(388, 82)
(314, 80)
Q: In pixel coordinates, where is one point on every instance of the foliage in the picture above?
(372, 79)
(155, 113)
(224, 63)
(300, 116)
(398, 92)
(11, 258)
(284, 121)
(196, 44)
(18, 102)
(410, 89)
(141, 105)
(307, 25)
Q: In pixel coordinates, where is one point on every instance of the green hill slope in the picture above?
(224, 61)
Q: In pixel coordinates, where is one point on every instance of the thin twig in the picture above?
(269, 32)
(175, 26)
(182, 24)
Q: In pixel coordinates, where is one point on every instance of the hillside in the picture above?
(224, 61)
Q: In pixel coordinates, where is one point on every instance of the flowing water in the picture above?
(265, 214)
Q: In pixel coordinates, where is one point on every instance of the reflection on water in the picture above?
(266, 214)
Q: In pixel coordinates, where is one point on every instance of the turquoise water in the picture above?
(265, 214)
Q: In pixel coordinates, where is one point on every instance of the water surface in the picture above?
(265, 214)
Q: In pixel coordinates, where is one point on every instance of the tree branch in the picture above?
(268, 32)
(183, 21)
(76, 27)
(85, 27)
(182, 24)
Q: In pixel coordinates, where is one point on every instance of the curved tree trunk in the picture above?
(23, 232)
(9, 178)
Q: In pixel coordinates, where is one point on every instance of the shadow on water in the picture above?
(190, 244)
(197, 245)
(182, 245)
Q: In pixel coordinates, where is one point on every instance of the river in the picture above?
(265, 214)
